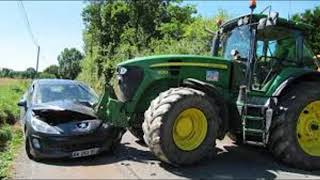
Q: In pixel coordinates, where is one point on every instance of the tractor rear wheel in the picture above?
(295, 132)
(181, 126)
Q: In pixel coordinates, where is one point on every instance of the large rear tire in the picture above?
(295, 131)
(181, 126)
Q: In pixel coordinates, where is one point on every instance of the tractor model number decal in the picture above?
(212, 76)
(163, 72)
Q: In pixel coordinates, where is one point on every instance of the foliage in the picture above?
(11, 92)
(43, 75)
(10, 136)
(119, 30)
(69, 63)
(5, 72)
(9, 151)
(52, 70)
(311, 17)
(5, 135)
(9, 73)
(30, 72)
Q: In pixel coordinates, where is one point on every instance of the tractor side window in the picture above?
(284, 49)
(237, 39)
(308, 56)
(262, 65)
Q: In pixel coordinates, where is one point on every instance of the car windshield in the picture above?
(237, 39)
(68, 91)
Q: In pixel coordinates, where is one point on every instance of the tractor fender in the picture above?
(294, 80)
(213, 92)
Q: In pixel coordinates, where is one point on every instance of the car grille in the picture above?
(72, 146)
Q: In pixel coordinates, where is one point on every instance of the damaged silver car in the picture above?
(59, 121)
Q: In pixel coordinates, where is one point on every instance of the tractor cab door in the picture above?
(275, 49)
(236, 47)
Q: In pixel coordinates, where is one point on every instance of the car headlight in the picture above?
(43, 127)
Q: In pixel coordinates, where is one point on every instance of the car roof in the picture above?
(55, 81)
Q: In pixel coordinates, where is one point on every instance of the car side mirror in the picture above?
(22, 103)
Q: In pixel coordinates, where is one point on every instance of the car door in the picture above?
(27, 97)
(23, 108)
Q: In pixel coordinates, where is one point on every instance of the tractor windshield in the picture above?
(237, 39)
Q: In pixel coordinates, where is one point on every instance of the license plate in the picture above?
(83, 153)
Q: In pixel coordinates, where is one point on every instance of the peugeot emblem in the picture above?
(83, 125)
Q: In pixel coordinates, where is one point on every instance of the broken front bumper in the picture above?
(59, 146)
(111, 110)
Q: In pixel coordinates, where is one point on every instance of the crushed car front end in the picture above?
(67, 129)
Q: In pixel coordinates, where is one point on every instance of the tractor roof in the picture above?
(231, 24)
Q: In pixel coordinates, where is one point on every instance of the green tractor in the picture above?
(260, 84)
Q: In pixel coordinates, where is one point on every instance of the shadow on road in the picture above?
(122, 153)
(236, 162)
(227, 162)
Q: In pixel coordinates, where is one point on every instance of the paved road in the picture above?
(135, 162)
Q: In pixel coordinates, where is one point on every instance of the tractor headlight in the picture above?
(128, 80)
(122, 70)
(43, 127)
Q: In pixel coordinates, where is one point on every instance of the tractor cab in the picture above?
(260, 46)
(264, 50)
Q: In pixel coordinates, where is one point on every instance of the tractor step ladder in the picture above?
(253, 125)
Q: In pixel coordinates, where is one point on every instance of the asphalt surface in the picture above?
(134, 161)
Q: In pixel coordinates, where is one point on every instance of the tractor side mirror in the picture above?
(235, 54)
(262, 23)
(22, 103)
(271, 20)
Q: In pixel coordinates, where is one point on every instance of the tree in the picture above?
(52, 69)
(69, 63)
(119, 30)
(44, 75)
(311, 17)
(29, 73)
(6, 72)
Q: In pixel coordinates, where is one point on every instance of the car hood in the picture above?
(57, 112)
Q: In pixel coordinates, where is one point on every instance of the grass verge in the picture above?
(10, 149)
(11, 91)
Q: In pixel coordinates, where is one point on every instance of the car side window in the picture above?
(29, 94)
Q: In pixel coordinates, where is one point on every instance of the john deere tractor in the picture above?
(260, 84)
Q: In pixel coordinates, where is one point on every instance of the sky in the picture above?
(57, 25)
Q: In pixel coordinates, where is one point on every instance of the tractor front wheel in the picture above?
(295, 131)
(181, 126)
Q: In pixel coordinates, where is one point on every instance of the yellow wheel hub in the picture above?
(190, 129)
(308, 129)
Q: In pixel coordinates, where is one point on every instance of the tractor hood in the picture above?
(139, 72)
(155, 61)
